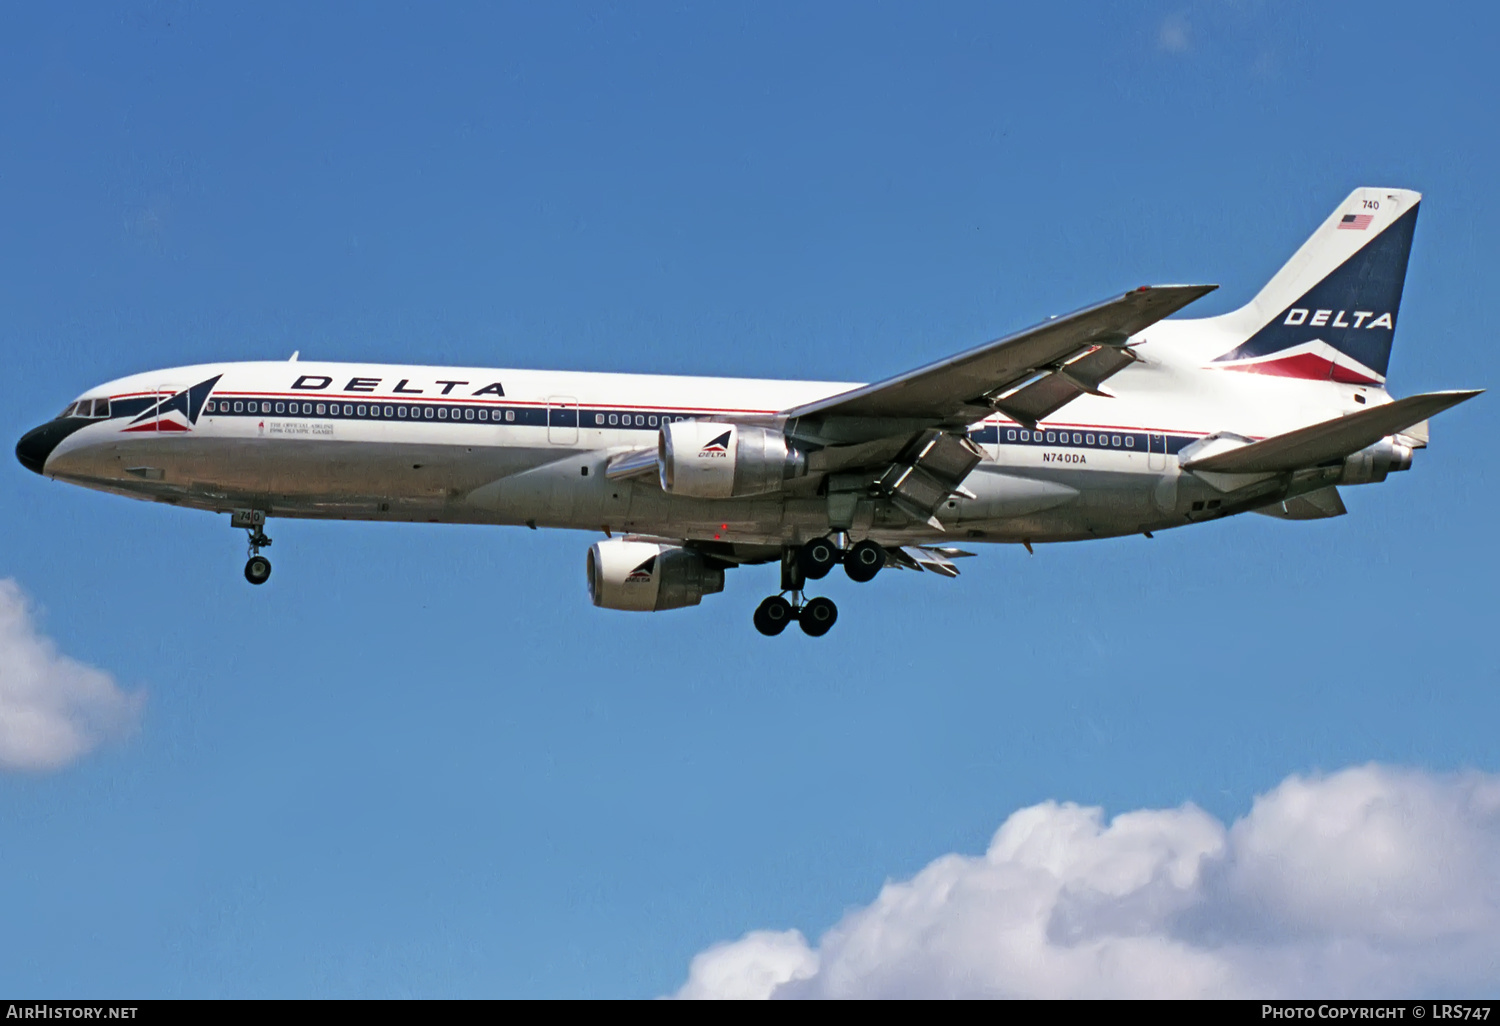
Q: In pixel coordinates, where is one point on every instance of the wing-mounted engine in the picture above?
(644, 576)
(706, 459)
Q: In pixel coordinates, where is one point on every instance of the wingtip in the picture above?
(1178, 296)
(1458, 395)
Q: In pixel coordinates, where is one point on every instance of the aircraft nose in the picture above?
(37, 444)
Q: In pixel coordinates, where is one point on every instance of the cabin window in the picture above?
(427, 413)
(1114, 440)
(468, 414)
(653, 422)
(613, 419)
(387, 411)
(598, 418)
(1050, 437)
(238, 407)
(510, 415)
(360, 410)
(1130, 441)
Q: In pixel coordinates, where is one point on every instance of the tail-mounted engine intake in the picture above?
(647, 576)
(710, 460)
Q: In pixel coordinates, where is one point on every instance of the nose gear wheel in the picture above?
(258, 567)
(258, 570)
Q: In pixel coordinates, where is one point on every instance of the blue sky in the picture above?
(419, 762)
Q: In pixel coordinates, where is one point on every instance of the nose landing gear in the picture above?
(258, 567)
(258, 570)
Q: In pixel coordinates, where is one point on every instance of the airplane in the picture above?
(1270, 409)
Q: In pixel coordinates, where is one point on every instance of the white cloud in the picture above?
(53, 709)
(751, 967)
(1373, 881)
(1174, 34)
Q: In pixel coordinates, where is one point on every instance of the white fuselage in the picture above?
(485, 446)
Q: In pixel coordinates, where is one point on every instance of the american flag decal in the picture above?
(1356, 222)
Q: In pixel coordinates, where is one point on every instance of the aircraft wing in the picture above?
(1026, 375)
(1330, 440)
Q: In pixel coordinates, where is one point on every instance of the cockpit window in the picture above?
(93, 408)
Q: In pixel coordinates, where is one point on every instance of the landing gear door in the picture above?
(562, 420)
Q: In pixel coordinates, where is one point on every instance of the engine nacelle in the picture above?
(647, 576)
(707, 459)
(1371, 464)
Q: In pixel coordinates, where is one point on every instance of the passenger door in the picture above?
(1156, 459)
(562, 420)
(164, 420)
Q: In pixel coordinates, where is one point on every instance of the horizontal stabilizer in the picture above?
(1330, 440)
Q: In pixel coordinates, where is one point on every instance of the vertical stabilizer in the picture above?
(1330, 313)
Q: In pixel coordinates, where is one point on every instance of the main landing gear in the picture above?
(813, 561)
(862, 562)
(258, 567)
(815, 616)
